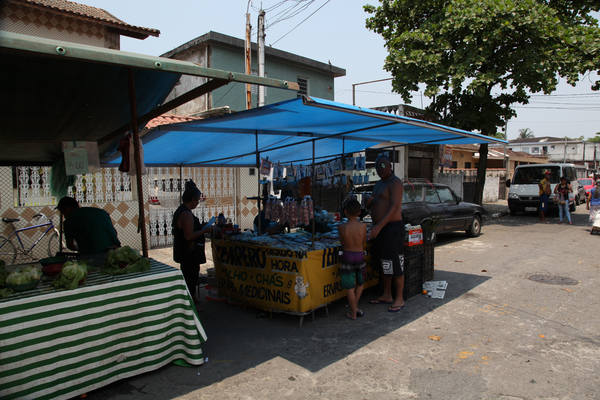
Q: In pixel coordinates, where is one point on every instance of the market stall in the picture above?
(56, 344)
(311, 141)
(93, 329)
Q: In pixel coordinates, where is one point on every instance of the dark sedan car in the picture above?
(439, 210)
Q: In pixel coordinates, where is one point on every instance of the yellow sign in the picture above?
(279, 279)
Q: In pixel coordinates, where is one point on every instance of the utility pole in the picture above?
(247, 51)
(261, 55)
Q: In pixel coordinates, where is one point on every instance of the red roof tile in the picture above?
(167, 119)
(98, 14)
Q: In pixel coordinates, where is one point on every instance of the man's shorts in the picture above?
(389, 249)
(352, 275)
(544, 202)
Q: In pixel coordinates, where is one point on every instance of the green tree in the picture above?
(595, 139)
(478, 57)
(525, 133)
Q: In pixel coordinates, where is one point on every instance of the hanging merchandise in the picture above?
(265, 166)
(349, 164)
(361, 163)
(337, 166)
(289, 172)
(290, 213)
(366, 179)
(306, 210)
(328, 170)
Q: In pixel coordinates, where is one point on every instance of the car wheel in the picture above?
(512, 212)
(475, 227)
(572, 207)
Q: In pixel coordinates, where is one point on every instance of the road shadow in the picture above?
(243, 338)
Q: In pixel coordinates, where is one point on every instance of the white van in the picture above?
(524, 190)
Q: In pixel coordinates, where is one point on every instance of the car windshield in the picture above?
(585, 182)
(412, 194)
(533, 175)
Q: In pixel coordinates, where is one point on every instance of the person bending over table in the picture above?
(388, 233)
(88, 230)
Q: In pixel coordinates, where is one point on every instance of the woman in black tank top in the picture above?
(188, 237)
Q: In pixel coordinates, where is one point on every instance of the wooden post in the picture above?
(138, 164)
(259, 196)
(312, 191)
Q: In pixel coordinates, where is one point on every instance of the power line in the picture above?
(301, 22)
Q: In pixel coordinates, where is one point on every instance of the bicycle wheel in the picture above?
(53, 247)
(8, 252)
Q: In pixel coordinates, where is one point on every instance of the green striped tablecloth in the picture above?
(59, 344)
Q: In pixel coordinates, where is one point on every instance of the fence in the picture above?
(165, 186)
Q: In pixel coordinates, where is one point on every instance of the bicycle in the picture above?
(8, 250)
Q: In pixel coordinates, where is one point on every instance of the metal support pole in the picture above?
(138, 164)
(180, 183)
(312, 190)
(259, 196)
(248, 51)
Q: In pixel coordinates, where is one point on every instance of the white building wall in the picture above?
(187, 82)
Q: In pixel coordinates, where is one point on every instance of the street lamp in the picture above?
(354, 85)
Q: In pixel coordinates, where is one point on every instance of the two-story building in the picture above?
(217, 50)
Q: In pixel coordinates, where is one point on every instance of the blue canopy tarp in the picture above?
(285, 132)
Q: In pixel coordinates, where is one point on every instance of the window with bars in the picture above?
(303, 84)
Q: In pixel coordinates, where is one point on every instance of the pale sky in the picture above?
(335, 32)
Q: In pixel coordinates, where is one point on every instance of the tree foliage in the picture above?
(525, 133)
(477, 57)
(595, 139)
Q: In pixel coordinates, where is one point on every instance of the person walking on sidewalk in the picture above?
(562, 191)
(593, 201)
(545, 192)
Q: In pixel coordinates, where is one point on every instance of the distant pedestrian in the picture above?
(353, 235)
(562, 191)
(545, 192)
(593, 201)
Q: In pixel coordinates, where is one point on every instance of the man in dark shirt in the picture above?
(88, 230)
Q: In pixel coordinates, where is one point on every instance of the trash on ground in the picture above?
(435, 289)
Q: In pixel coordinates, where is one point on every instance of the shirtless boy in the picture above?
(388, 233)
(353, 235)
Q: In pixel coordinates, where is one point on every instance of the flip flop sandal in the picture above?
(349, 316)
(377, 301)
(360, 313)
(395, 309)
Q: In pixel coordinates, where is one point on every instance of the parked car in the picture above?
(524, 190)
(587, 184)
(439, 210)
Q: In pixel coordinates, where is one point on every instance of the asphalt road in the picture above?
(496, 335)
